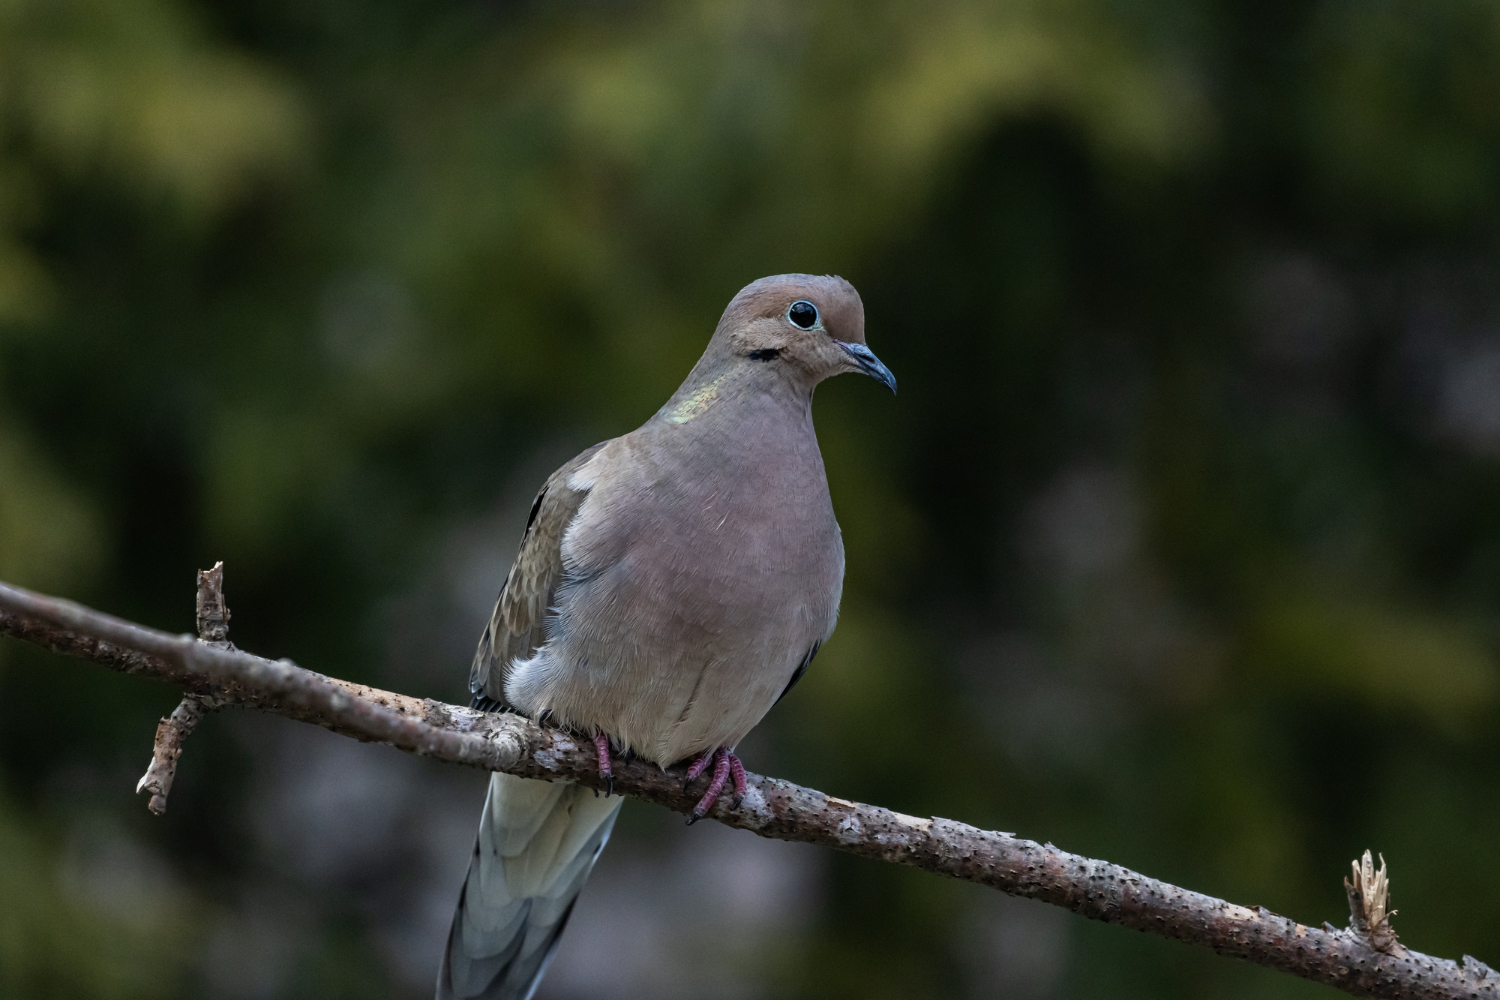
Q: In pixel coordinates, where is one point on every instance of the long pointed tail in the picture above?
(538, 841)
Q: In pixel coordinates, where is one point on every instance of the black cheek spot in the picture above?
(765, 354)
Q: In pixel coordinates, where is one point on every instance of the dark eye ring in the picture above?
(803, 315)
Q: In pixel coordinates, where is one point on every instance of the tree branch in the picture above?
(1364, 960)
(173, 731)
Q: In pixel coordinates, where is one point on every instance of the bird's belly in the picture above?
(681, 655)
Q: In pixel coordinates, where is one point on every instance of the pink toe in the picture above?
(701, 764)
(721, 775)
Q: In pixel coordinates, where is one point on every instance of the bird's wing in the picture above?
(518, 626)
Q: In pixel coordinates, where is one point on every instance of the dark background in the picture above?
(1180, 546)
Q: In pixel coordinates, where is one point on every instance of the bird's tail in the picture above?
(537, 843)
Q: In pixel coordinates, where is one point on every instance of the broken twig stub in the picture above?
(1369, 906)
(173, 731)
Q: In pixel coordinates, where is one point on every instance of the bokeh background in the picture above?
(1180, 546)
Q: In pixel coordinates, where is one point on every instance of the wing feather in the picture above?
(518, 626)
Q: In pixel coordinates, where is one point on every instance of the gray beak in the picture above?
(870, 364)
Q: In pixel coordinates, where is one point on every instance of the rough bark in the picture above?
(1364, 960)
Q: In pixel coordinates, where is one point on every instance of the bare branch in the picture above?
(1096, 889)
(213, 613)
(173, 731)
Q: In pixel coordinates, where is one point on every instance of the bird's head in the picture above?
(810, 326)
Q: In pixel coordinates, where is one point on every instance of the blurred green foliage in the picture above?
(1181, 546)
(54, 946)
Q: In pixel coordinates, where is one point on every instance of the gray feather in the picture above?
(537, 843)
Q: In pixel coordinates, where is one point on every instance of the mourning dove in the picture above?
(671, 586)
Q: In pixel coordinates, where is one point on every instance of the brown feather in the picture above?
(518, 625)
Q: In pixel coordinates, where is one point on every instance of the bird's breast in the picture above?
(758, 532)
(699, 580)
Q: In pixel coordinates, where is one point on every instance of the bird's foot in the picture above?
(601, 745)
(726, 766)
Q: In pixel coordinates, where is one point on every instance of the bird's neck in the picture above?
(720, 392)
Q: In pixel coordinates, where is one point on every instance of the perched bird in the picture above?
(671, 586)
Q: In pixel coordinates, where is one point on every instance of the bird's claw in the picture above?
(726, 767)
(601, 745)
(698, 766)
(737, 775)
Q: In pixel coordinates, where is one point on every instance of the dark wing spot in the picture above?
(536, 506)
(765, 354)
(801, 669)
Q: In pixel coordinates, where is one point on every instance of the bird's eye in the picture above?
(803, 314)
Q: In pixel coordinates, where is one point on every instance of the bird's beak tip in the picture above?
(870, 365)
